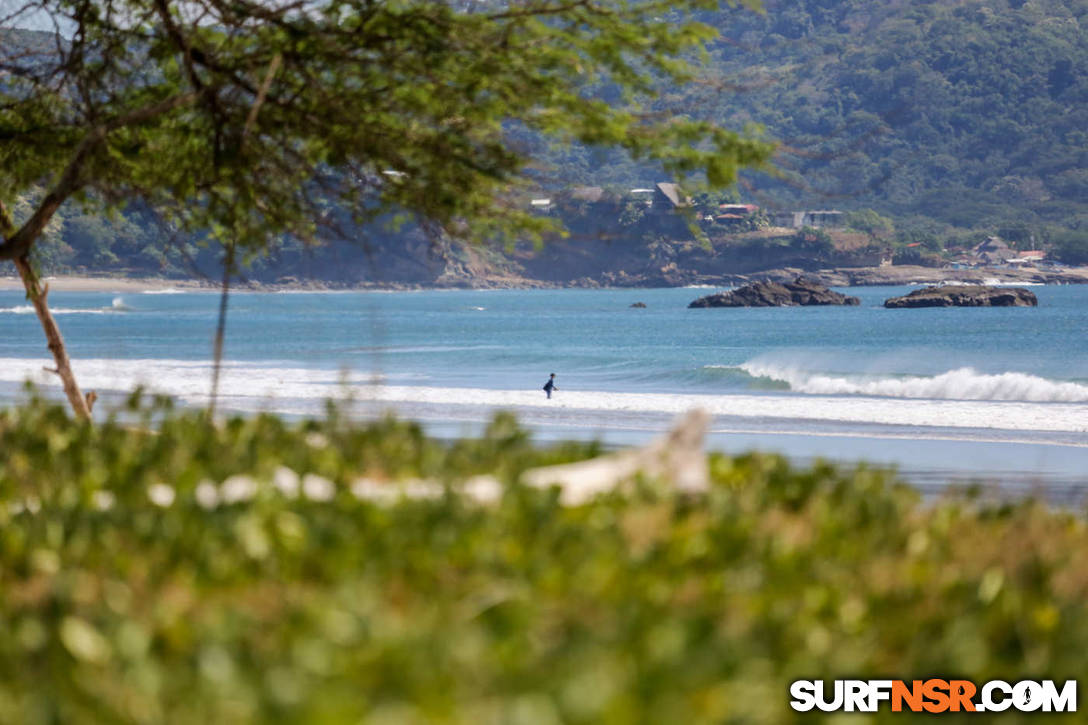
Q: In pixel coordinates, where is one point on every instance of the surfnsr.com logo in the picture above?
(933, 696)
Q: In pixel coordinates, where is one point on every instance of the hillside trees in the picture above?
(866, 220)
(246, 120)
(906, 107)
(1071, 247)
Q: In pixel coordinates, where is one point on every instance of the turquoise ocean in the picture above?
(998, 396)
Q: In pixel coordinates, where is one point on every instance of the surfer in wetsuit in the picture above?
(550, 386)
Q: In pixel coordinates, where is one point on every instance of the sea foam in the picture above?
(251, 386)
(959, 384)
(29, 310)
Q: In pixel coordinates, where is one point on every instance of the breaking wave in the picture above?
(252, 386)
(959, 384)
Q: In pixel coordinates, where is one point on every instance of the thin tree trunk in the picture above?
(37, 294)
(228, 259)
(221, 328)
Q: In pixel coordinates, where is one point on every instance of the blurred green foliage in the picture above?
(642, 606)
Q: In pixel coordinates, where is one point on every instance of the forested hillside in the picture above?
(967, 112)
(970, 112)
(951, 117)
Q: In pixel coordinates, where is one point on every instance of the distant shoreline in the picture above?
(87, 283)
(835, 277)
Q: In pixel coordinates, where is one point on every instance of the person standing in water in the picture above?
(550, 386)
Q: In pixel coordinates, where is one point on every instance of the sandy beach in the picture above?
(106, 284)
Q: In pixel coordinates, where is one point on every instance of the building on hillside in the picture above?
(540, 204)
(788, 219)
(643, 196)
(815, 218)
(1026, 259)
(822, 218)
(592, 194)
(734, 214)
(669, 197)
(738, 209)
(992, 251)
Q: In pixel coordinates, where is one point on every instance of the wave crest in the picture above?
(959, 384)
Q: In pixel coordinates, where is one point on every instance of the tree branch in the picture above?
(81, 404)
(534, 12)
(18, 243)
(7, 222)
(261, 94)
(179, 40)
(220, 329)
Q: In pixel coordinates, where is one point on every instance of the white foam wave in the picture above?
(959, 384)
(117, 305)
(252, 386)
(164, 291)
(995, 282)
(29, 310)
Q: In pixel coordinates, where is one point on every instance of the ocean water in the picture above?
(996, 395)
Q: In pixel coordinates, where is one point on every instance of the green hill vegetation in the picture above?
(969, 113)
(158, 569)
(955, 119)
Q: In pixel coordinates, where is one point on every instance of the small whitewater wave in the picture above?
(29, 310)
(995, 282)
(118, 305)
(959, 384)
(164, 291)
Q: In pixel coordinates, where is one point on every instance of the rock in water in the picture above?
(801, 291)
(639, 305)
(965, 296)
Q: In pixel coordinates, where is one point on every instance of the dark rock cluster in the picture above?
(965, 296)
(801, 291)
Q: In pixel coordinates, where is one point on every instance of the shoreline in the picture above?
(94, 283)
(998, 467)
(896, 276)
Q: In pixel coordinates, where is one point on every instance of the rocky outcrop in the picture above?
(801, 291)
(965, 296)
(639, 305)
(911, 276)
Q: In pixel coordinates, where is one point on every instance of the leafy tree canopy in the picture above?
(250, 118)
